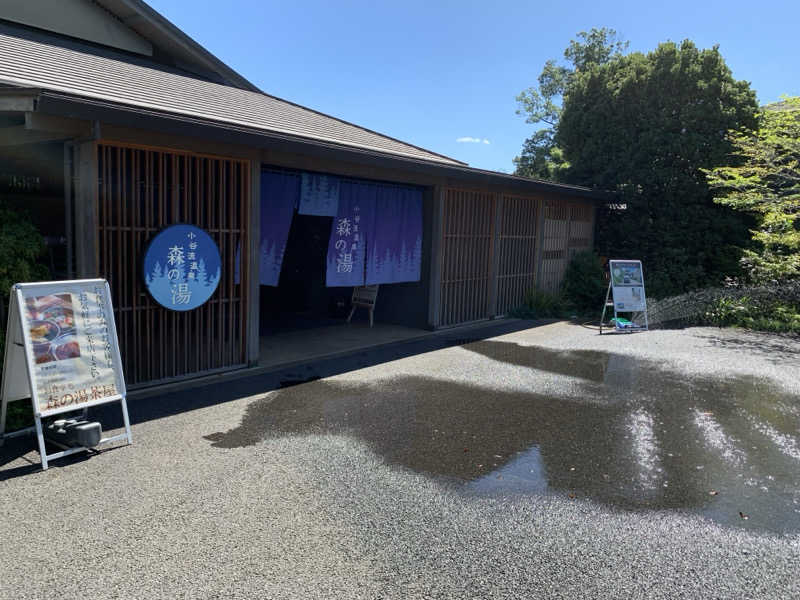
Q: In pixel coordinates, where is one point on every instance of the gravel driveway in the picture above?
(546, 463)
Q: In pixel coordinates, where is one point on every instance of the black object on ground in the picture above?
(74, 433)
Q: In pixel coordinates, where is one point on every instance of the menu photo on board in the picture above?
(627, 284)
(71, 350)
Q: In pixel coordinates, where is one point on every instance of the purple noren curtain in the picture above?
(376, 235)
(347, 244)
(280, 193)
(395, 244)
(319, 195)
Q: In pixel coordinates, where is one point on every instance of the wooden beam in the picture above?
(19, 136)
(52, 124)
(17, 103)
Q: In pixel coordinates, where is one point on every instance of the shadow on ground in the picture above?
(156, 407)
(625, 432)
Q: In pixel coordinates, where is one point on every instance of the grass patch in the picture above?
(19, 415)
(541, 305)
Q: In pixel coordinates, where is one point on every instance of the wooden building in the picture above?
(115, 124)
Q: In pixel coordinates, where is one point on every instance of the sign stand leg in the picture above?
(2, 421)
(605, 306)
(126, 419)
(40, 437)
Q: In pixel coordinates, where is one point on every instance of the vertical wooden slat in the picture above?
(196, 314)
(185, 216)
(220, 322)
(231, 245)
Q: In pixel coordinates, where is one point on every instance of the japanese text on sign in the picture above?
(182, 267)
(349, 237)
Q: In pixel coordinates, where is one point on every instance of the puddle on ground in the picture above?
(630, 434)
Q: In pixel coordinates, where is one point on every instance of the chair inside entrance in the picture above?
(364, 296)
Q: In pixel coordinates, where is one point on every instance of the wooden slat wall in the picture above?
(141, 190)
(467, 250)
(568, 228)
(517, 249)
(489, 248)
(581, 228)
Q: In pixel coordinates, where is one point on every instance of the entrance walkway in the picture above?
(308, 344)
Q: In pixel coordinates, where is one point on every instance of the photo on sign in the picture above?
(627, 274)
(51, 323)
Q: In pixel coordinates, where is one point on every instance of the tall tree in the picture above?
(763, 179)
(646, 125)
(540, 105)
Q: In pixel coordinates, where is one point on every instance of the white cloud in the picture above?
(472, 140)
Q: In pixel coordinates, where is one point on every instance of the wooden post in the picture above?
(437, 231)
(537, 277)
(69, 172)
(253, 266)
(494, 265)
(86, 243)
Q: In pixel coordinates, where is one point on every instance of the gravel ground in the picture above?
(244, 500)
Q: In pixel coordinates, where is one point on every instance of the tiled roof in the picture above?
(41, 61)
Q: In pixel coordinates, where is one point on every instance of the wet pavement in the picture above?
(545, 462)
(627, 432)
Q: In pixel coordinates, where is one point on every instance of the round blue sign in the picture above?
(181, 267)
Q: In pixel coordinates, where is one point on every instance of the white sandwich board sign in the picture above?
(626, 292)
(62, 352)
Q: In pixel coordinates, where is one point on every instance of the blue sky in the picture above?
(433, 72)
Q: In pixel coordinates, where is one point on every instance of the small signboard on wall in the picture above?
(62, 352)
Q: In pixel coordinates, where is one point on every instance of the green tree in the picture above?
(540, 158)
(764, 180)
(646, 125)
(21, 245)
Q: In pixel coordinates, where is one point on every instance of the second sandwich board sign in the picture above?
(626, 293)
(62, 352)
(627, 285)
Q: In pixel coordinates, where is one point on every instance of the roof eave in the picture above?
(83, 108)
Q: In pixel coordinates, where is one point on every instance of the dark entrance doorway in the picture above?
(301, 300)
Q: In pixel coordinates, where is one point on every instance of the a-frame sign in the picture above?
(626, 295)
(62, 352)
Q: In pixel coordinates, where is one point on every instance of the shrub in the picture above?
(584, 285)
(726, 311)
(19, 415)
(540, 305)
(774, 307)
(21, 245)
(763, 314)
